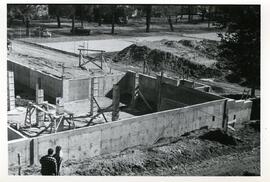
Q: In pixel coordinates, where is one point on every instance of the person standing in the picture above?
(48, 164)
(59, 158)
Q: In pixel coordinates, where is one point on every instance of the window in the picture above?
(213, 118)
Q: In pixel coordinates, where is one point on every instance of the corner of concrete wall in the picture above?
(65, 90)
(239, 110)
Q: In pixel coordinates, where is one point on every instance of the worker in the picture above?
(48, 164)
(59, 158)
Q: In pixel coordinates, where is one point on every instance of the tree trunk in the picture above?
(209, 16)
(99, 21)
(189, 14)
(203, 14)
(81, 22)
(73, 24)
(27, 24)
(113, 19)
(58, 21)
(148, 17)
(99, 16)
(170, 23)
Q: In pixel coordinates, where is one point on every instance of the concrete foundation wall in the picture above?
(126, 82)
(186, 95)
(195, 85)
(27, 77)
(239, 110)
(180, 94)
(105, 83)
(148, 87)
(122, 134)
(22, 147)
(70, 90)
(80, 89)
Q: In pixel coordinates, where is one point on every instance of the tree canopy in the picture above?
(240, 45)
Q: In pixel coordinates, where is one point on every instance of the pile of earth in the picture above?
(195, 58)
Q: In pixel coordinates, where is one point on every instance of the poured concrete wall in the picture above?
(69, 89)
(148, 87)
(27, 77)
(186, 95)
(105, 83)
(22, 147)
(80, 89)
(122, 134)
(239, 110)
(175, 95)
(190, 84)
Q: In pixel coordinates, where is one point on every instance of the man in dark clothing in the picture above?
(59, 158)
(48, 164)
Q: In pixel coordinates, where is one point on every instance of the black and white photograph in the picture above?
(133, 89)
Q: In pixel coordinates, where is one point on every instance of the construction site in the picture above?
(150, 104)
(91, 109)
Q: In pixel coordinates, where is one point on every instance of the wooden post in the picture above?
(92, 97)
(39, 100)
(59, 111)
(144, 66)
(19, 164)
(80, 57)
(225, 116)
(116, 101)
(63, 71)
(159, 85)
(133, 87)
(101, 63)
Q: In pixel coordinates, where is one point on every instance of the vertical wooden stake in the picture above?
(19, 164)
(116, 101)
(92, 97)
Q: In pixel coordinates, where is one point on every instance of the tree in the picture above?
(97, 14)
(240, 45)
(58, 11)
(113, 17)
(168, 12)
(24, 11)
(203, 11)
(190, 12)
(83, 12)
(70, 12)
(148, 10)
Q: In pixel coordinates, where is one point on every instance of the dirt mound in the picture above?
(185, 57)
(219, 136)
(208, 48)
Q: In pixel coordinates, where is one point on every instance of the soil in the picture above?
(195, 58)
(196, 153)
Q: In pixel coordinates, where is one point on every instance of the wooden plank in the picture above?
(100, 109)
(39, 108)
(94, 50)
(145, 101)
